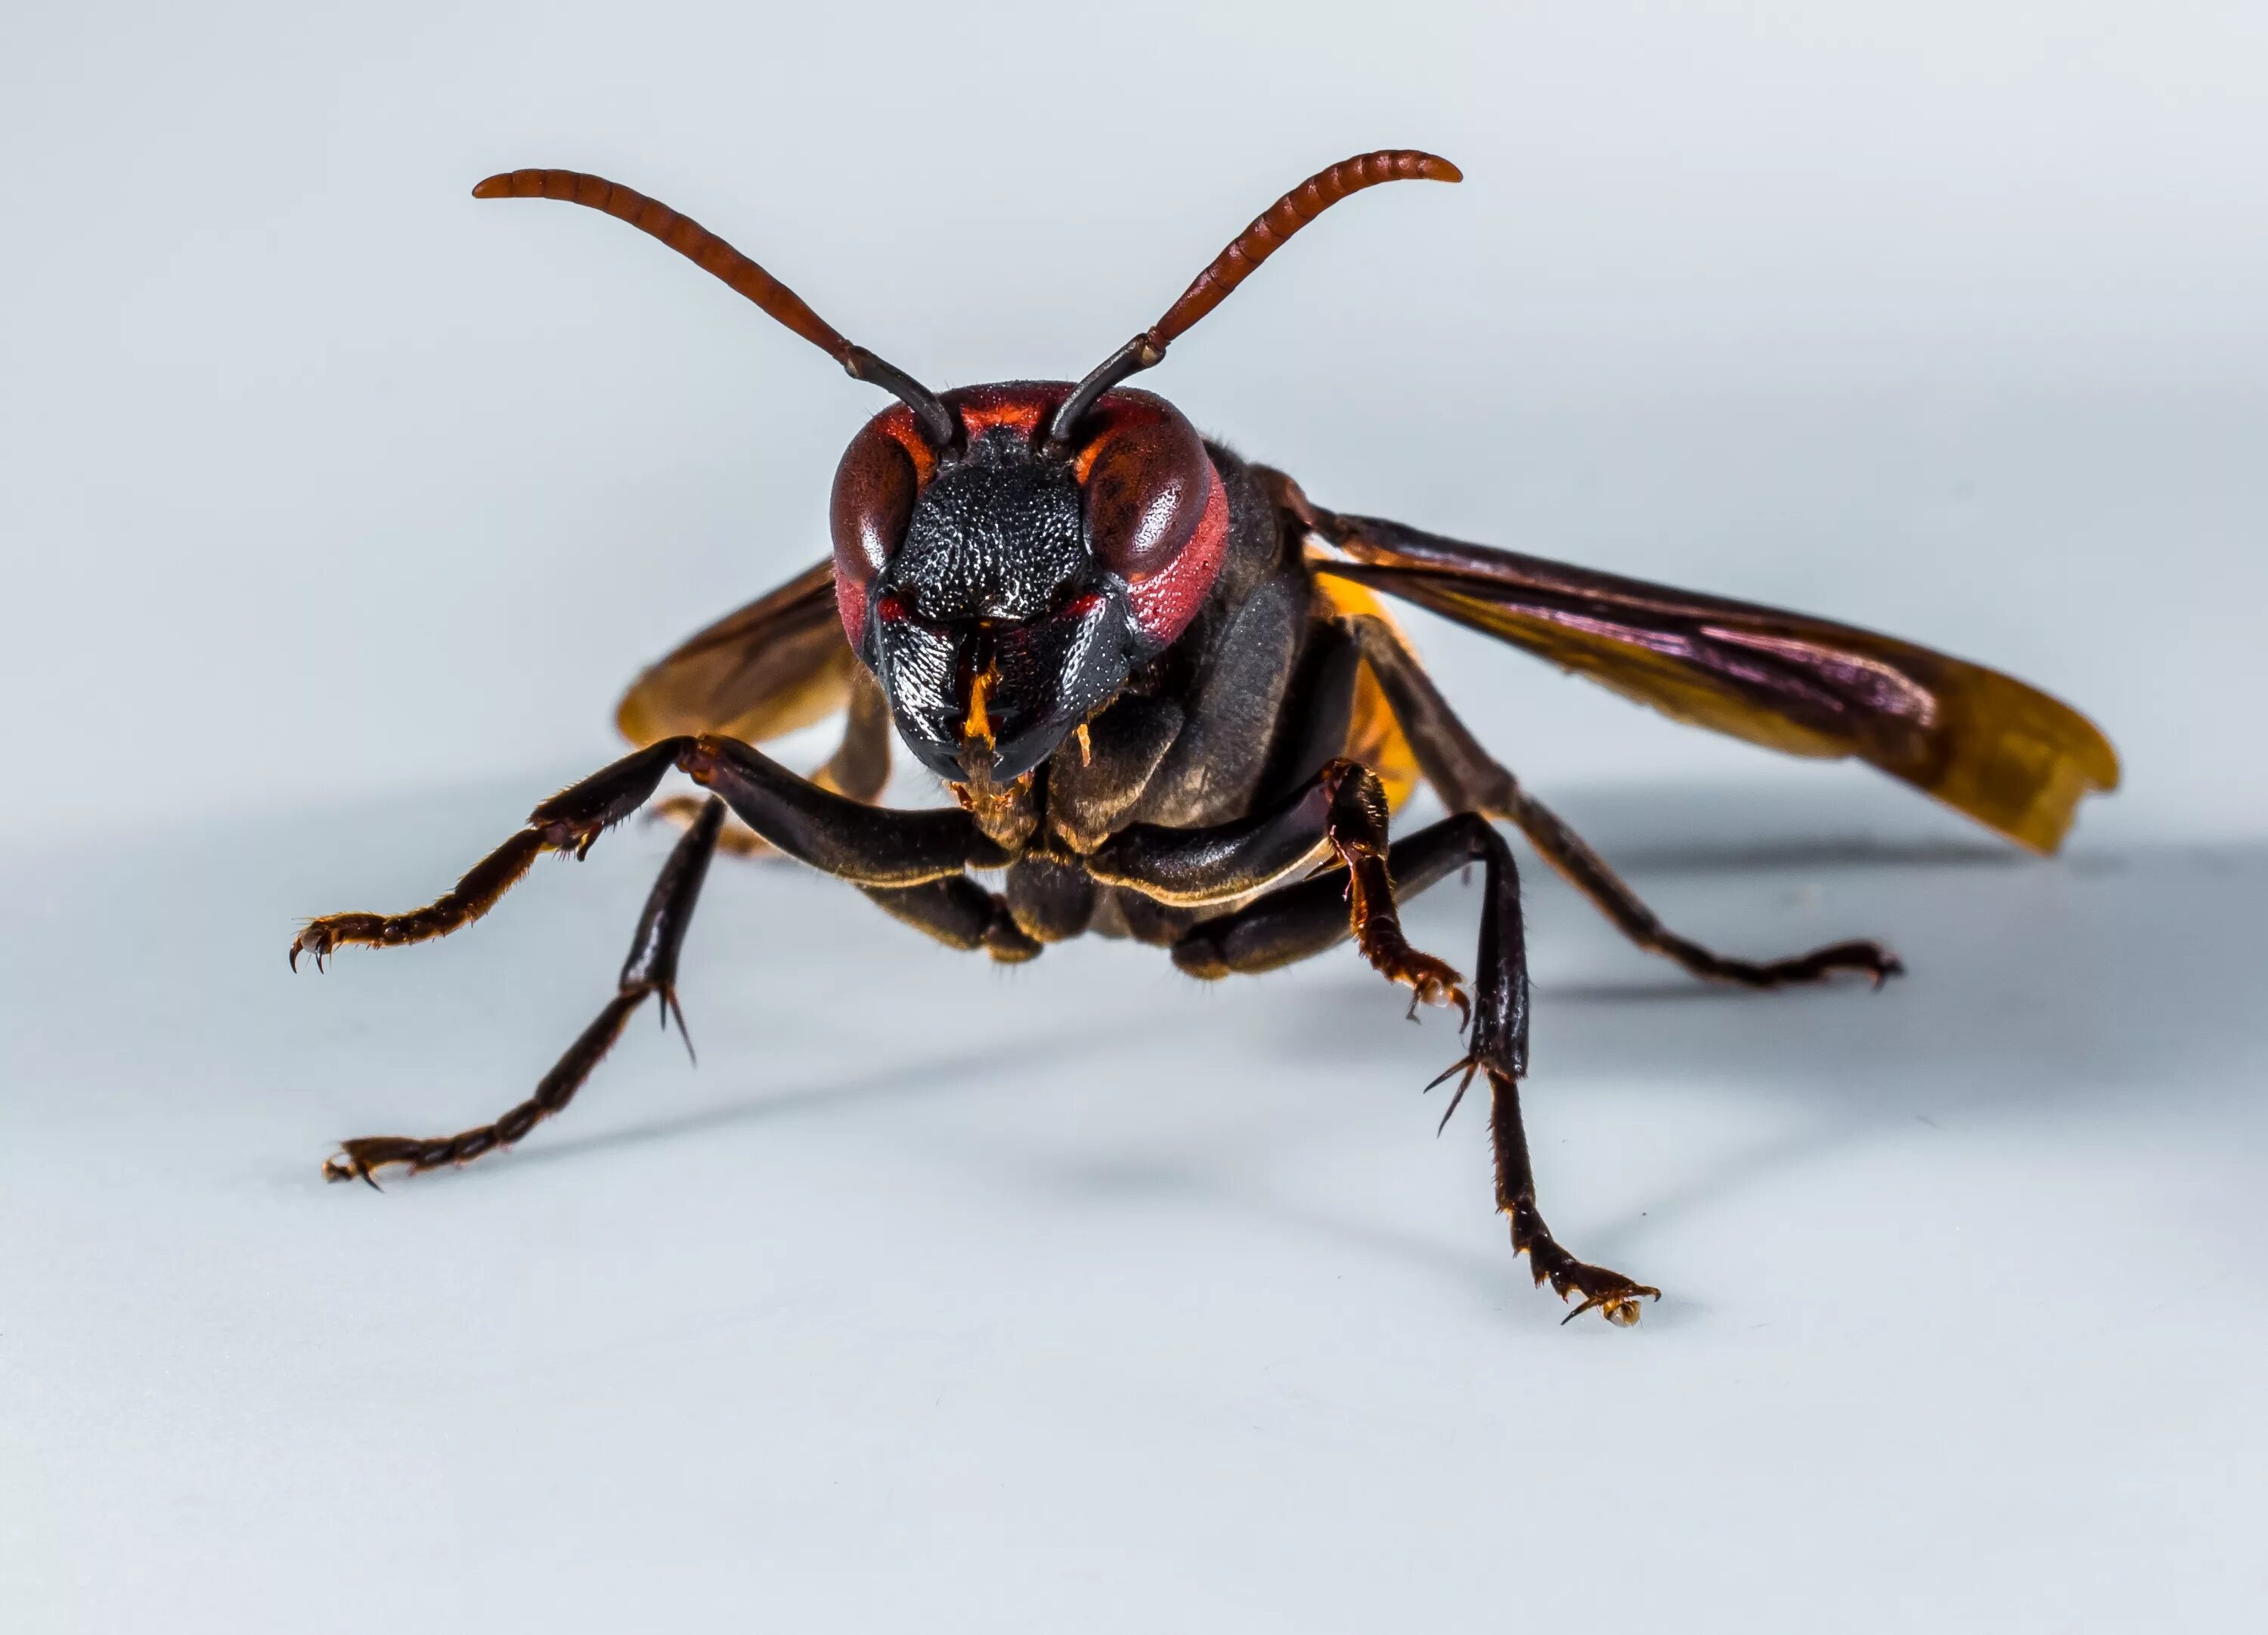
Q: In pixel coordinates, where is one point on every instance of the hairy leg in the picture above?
(1301, 920)
(649, 972)
(860, 768)
(866, 845)
(912, 862)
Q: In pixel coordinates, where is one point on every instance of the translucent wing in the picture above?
(779, 664)
(1984, 743)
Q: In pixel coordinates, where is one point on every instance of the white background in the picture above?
(336, 508)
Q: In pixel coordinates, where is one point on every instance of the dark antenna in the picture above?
(689, 239)
(1233, 266)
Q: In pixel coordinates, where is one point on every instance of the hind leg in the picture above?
(1467, 778)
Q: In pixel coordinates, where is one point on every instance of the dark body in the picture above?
(1198, 736)
(1168, 706)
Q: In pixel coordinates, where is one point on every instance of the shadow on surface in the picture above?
(1731, 856)
(2036, 993)
(2122, 982)
(2030, 981)
(898, 1081)
(1772, 826)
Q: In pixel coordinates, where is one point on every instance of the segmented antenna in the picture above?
(706, 250)
(1267, 234)
(1274, 227)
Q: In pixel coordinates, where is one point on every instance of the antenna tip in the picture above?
(1434, 168)
(494, 187)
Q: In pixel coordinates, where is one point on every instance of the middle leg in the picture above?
(960, 914)
(1301, 920)
(1337, 816)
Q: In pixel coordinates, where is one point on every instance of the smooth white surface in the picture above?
(336, 508)
(1081, 1296)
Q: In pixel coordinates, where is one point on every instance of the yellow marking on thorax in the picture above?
(1373, 736)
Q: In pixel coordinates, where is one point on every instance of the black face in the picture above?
(992, 627)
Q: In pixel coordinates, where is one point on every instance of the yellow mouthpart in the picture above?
(978, 725)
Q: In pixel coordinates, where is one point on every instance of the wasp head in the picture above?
(1004, 587)
(1004, 582)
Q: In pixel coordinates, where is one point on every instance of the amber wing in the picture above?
(1984, 743)
(779, 664)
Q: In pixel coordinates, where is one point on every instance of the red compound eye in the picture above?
(1156, 515)
(875, 488)
(1153, 506)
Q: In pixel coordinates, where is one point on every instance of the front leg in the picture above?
(570, 820)
(866, 845)
(860, 768)
(912, 859)
(649, 972)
